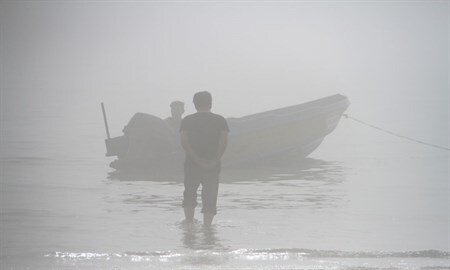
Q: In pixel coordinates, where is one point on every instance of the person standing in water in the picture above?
(204, 137)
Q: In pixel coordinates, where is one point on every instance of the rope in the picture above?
(395, 134)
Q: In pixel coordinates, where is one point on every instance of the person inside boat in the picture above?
(204, 137)
(176, 110)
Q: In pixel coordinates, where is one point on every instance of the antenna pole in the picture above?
(106, 121)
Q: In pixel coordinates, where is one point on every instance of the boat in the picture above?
(149, 143)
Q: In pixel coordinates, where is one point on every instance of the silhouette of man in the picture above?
(176, 111)
(204, 137)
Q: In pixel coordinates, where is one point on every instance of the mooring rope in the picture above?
(395, 134)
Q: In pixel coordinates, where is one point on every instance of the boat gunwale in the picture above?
(272, 121)
(319, 103)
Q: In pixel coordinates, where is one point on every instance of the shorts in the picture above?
(208, 178)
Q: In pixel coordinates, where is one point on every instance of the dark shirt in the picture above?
(203, 132)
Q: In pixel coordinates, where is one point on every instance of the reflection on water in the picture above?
(287, 184)
(283, 183)
(146, 175)
(285, 167)
(198, 237)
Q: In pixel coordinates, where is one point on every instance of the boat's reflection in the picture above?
(280, 168)
(286, 168)
(281, 183)
(284, 184)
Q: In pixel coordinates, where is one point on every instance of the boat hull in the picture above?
(296, 130)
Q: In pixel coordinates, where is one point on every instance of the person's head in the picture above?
(177, 108)
(202, 100)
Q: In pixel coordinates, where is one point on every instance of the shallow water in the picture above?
(362, 205)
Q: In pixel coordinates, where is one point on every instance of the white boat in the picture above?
(295, 130)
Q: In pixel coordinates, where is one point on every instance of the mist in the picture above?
(60, 59)
(140, 56)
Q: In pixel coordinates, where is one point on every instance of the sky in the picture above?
(65, 57)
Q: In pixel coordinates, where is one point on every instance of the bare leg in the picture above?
(189, 214)
(207, 219)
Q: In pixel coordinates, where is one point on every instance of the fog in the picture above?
(140, 56)
(60, 59)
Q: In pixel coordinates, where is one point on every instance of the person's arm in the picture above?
(205, 163)
(223, 142)
(187, 147)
